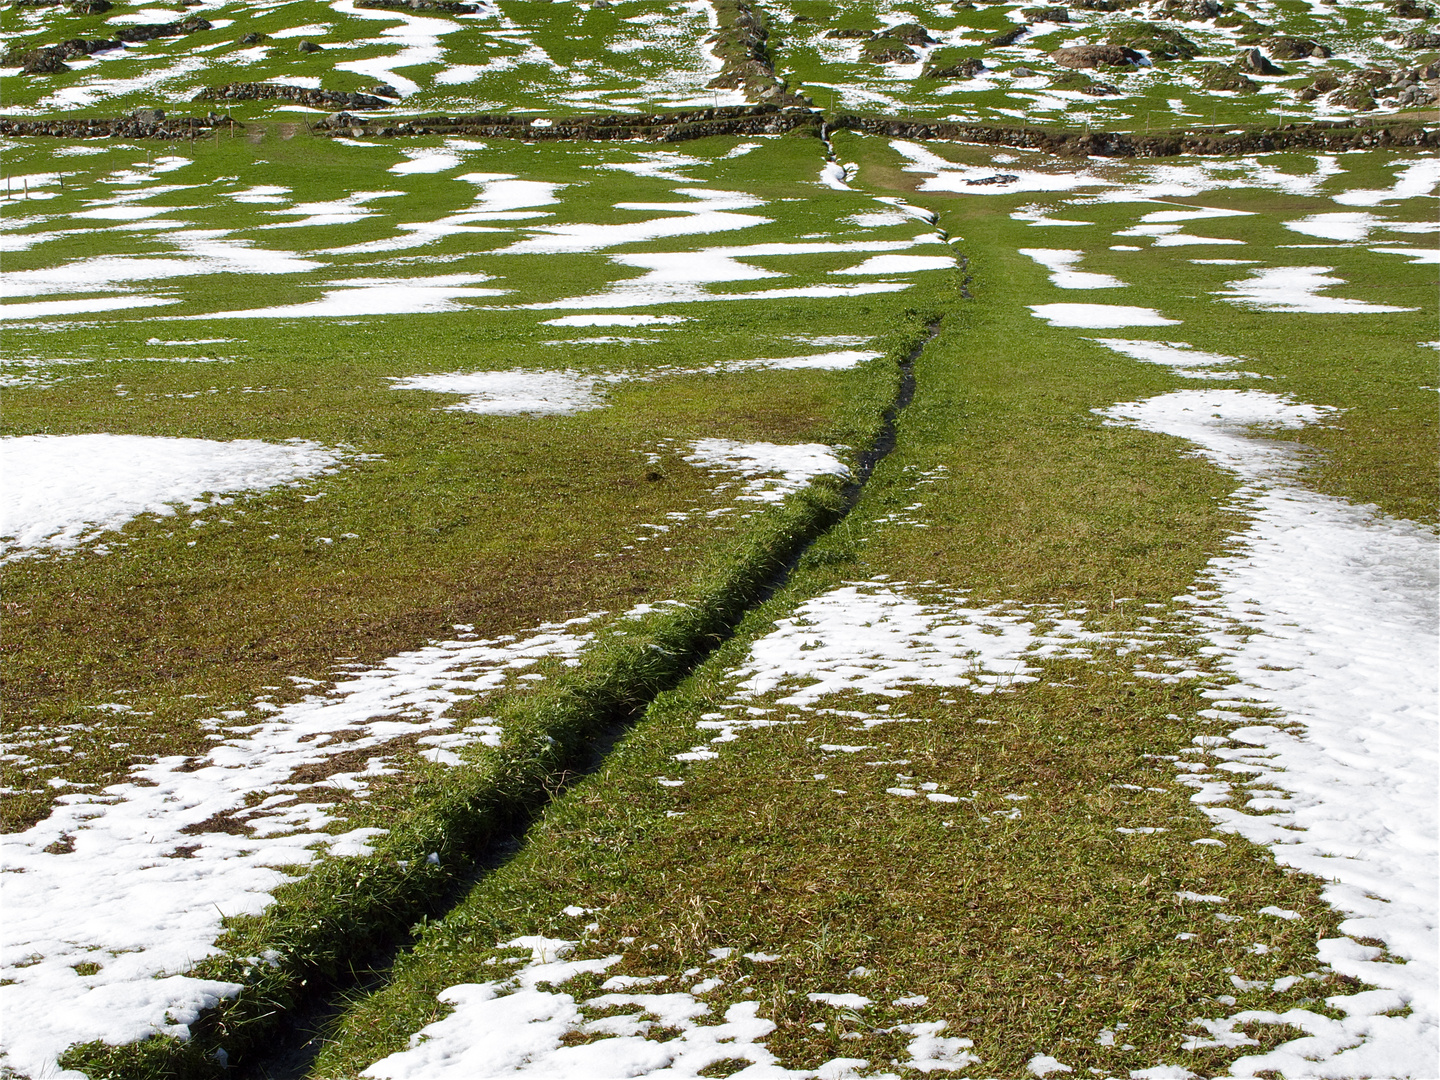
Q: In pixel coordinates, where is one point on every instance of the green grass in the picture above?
(1027, 935)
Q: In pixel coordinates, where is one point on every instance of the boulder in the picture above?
(1094, 56)
(148, 117)
(909, 34)
(44, 62)
(850, 34)
(944, 64)
(1294, 48)
(253, 39)
(1256, 63)
(1046, 14)
(1420, 39)
(1009, 37)
(1409, 9)
(307, 47)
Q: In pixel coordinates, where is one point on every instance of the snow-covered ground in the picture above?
(190, 841)
(61, 491)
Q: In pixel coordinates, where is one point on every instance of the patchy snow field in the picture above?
(62, 491)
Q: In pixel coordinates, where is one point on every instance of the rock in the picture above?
(1256, 63)
(1092, 56)
(1079, 81)
(1098, 5)
(1227, 77)
(1161, 42)
(1191, 10)
(1046, 14)
(150, 31)
(148, 117)
(1420, 39)
(1409, 9)
(909, 34)
(1009, 37)
(384, 90)
(850, 34)
(1022, 73)
(90, 7)
(253, 39)
(44, 62)
(944, 64)
(302, 95)
(881, 50)
(1293, 48)
(308, 47)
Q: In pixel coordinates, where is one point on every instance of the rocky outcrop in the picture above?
(1409, 9)
(1420, 39)
(741, 45)
(150, 31)
(1191, 10)
(1094, 56)
(301, 95)
(1294, 48)
(1009, 37)
(1406, 88)
(1161, 43)
(1227, 77)
(1084, 84)
(950, 64)
(1254, 62)
(50, 59)
(1046, 14)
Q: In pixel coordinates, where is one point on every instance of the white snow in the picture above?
(143, 898)
(513, 393)
(1059, 262)
(374, 296)
(1296, 289)
(1177, 355)
(1338, 604)
(1336, 226)
(426, 160)
(871, 638)
(63, 490)
(770, 471)
(900, 264)
(515, 1027)
(1099, 316)
(1414, 180)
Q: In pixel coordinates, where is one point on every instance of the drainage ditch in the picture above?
(336, 933)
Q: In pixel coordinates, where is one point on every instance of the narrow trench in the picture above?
(295, 1046)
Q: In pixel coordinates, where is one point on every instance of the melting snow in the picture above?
(64, 490)
(1338, 602)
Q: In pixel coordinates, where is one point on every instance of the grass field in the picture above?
(814, 605)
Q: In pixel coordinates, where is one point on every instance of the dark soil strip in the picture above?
(772, 119)
(338, 930)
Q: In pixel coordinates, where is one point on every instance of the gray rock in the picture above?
(1256, 63)
(308, 47)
